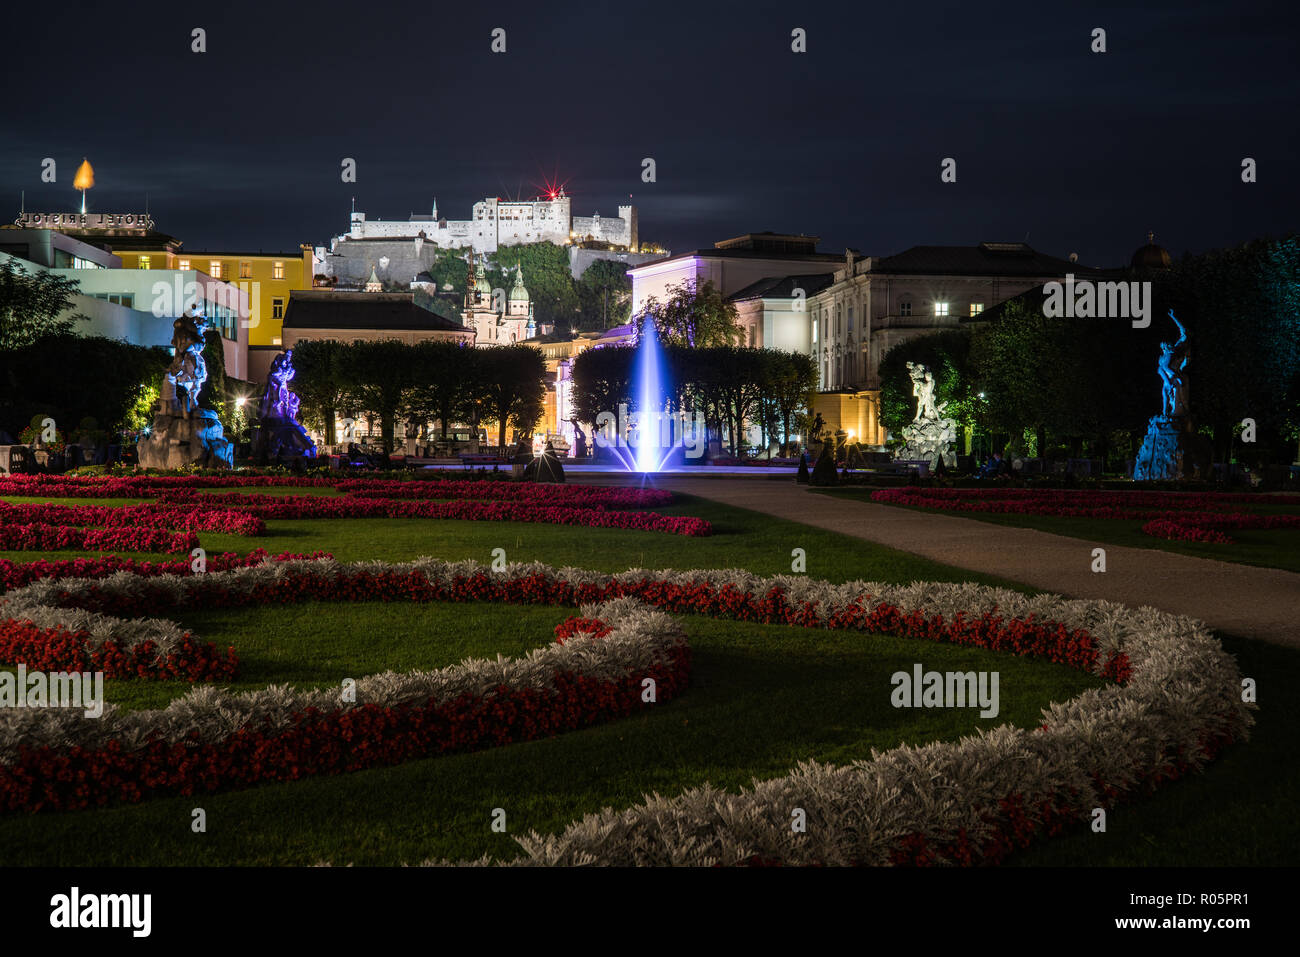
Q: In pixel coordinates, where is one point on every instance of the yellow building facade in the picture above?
(267, 278)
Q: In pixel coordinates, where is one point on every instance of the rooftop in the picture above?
(330, 309)
(783, 287)
(986, 259)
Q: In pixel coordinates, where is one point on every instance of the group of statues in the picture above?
(930, 436)
(184, 433)
(1164, 451)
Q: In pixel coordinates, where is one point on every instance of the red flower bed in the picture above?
(58, 649)
(1184, 533)
(16, 574)
(33, 538)
(342, 507)
(1173, 515)
(1022, 637)
(580, 626)
(324, 743)
(146, 486)
(211, 519)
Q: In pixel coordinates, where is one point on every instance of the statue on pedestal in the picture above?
(1173, 360)
(931, 434)
(1164, 451)
(278, 436)
(184, 434)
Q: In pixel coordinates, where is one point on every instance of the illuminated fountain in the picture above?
(650, 455)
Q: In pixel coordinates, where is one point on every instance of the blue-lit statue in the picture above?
(1173, 360)
(278, 436)
(188, 371)
(183, 434)
(1164, 452)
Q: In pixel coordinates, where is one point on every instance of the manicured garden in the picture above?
(803, 675)
(1254, 529)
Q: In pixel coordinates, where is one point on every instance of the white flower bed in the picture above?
(640, 639)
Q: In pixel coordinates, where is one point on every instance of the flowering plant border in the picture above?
(208, 740)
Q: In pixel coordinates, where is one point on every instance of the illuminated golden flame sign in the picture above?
(85, 176)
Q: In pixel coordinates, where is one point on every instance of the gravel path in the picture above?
(1244, 600)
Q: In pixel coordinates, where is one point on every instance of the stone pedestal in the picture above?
(179, 439)
(1163, 455)
(929, 440)
(282, 440)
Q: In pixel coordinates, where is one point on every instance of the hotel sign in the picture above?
(138, 221)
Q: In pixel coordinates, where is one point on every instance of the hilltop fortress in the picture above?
(499, 222)
(398, 251)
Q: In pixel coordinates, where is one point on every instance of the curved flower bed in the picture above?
(1172, 515)
(972, 801)
(184, 503)
(911, 611)
(211, 519)
(56, 759)
(342, 507)
(37, 537)
(148, 486)
(1176, 531)
(1174, 701)
(16, 574)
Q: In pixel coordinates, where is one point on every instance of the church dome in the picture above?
(481, 284)
(519, 293)
(1151, 256)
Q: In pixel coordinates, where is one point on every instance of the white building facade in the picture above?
(496, 223)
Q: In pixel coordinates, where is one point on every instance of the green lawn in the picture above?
(1273, 548)
(765, 698)
(762, 699)
(741, 539)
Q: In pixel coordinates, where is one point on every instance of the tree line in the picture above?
(391, 380)
(1054, 387)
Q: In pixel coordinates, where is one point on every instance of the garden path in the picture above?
(1244, 600)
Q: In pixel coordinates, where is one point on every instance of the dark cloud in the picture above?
(240, 147)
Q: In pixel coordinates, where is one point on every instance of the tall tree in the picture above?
(604, 295)
(379, 375)
(320, 383)
(695, 314)
(444, 378)
(511, 385)
(33, 305)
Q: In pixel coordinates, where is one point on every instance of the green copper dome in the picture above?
(519, 293)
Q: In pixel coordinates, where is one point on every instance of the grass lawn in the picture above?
(762, 699)
(765, 697)
(741, 539)
(1273, 548)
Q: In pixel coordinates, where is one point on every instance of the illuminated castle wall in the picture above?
(497, 223)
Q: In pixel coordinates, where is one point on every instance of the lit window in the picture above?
(277, 270)
(941, 308)
(905, 307)
(184, 265)
(245, 270)
(277, 308)
(214, 269)
(976, 308)
(144, 262)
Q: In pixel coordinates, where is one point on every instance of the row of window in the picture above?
(940, 308)
(216, 268)
(121, 298)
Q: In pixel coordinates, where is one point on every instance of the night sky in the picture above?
(239, 148)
